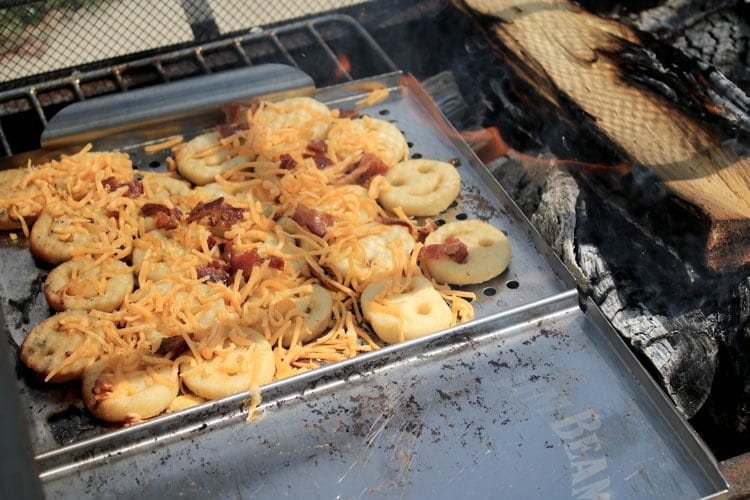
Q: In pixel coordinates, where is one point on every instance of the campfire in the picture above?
(639, 181)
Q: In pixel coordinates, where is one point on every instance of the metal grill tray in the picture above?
(471, 403)
(534, 403)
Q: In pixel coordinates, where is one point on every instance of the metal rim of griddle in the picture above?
(537, 270)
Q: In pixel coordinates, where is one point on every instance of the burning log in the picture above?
(637, 249)
(601, 68)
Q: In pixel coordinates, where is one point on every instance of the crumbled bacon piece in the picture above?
(348, 113)
(163, 221)
(135, 187)
(110, 184)
(245, 262)
(204, 209)
(217, 271)
(214, 274)
(452, 248)
(317, 153)
(234, 120)
(286, 162)
(322, 161)
(394, 221)
(424, 231)
(317, 146)
(164, 217)
(315, 221)
(151, 209)
(232, 113)
(364, 170)
(212, 241)
(228, 129)
(219, 214)
(276, 262)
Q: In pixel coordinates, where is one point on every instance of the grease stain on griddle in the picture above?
(24, 305)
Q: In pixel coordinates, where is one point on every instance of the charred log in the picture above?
(643, 286)
(600, 73)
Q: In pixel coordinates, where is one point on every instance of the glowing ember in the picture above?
(343, 67)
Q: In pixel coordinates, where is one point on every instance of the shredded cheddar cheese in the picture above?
(234, 271)
(166, 144)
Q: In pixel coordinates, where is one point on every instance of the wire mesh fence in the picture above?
(53, 53)
(50, 36)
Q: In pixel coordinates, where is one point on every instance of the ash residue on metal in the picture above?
(478, 205)
(69, 425)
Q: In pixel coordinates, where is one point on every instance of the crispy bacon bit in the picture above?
(452, 248)
(163, 221)
(228, 129)
(315, 221)
(348, 113)
(164, 217)
(322, 161)
(276, 263)
(110, 184)
(219, 214)
(317, 153)
(286, 162)
(217, 271)
(204, 209)
(317, 147)
(232, 113)
(245, 262)
(135, 187)
(364, 170)
(424, 231)
(234, 120)
(212, 241)
(456, 162)
(151, 209)
(394, 221)
(172, 345)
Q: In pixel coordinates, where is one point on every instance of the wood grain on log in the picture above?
(570, 55)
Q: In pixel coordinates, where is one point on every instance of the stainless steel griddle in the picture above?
(533, 397)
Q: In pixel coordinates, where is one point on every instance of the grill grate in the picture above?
(331, 49)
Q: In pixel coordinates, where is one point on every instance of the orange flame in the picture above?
(343, 67)
(489, 145)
